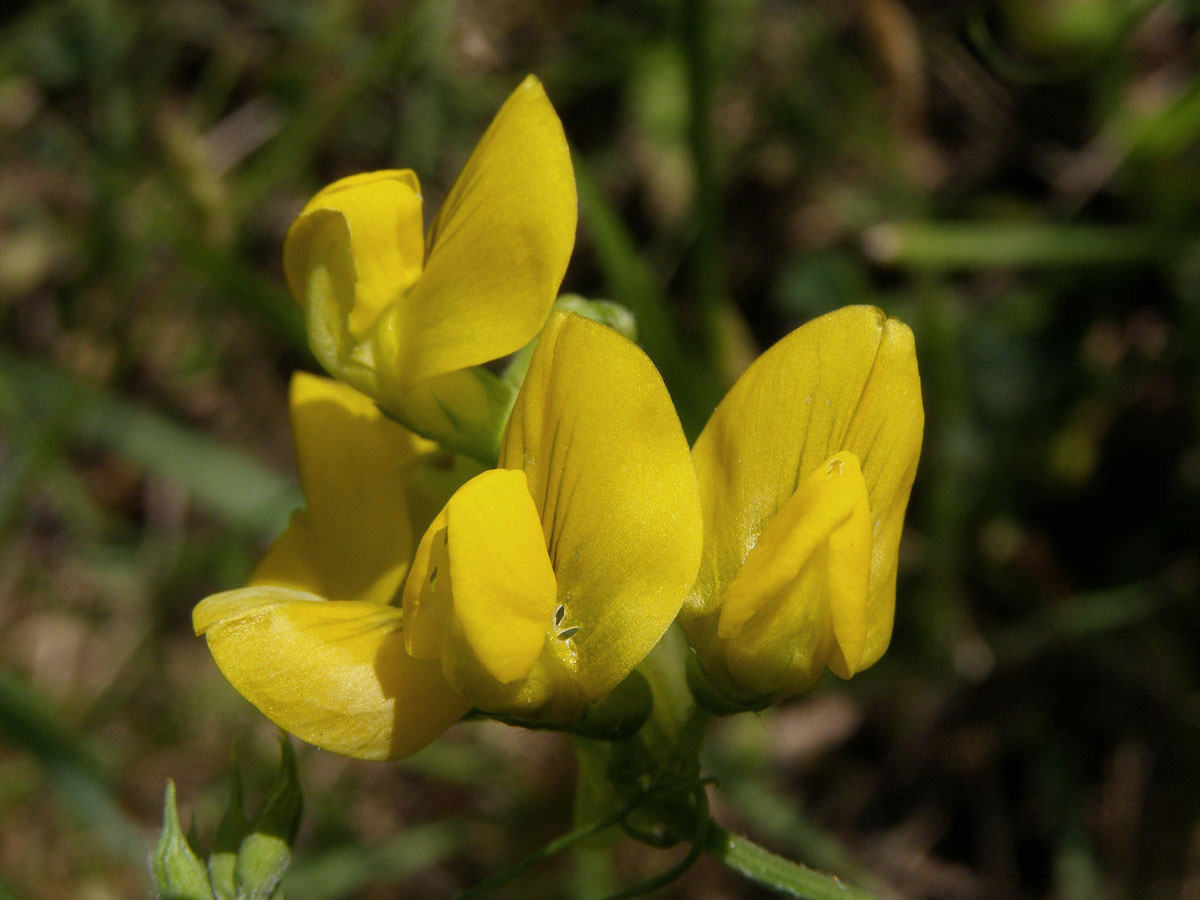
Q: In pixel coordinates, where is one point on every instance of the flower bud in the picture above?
(266, 849)
(177, 872)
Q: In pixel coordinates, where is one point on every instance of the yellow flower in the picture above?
(805, 470)
(544, 582)
(312, 642)
(407, 318)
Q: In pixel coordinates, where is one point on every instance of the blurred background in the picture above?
(1018, 180)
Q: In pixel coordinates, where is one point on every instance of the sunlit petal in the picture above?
(335, 674)
(885, 433)
(608, 468)
(370, 487)
(504, 588)
(496, 252)
(492, 583)
(843, 386)
(845, 381)
(383, 233)
(821, 507)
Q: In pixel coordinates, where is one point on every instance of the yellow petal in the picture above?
(821, 507)
(426, 604)
(493, 575)
(322, 276)
(504, 588)
(785, 648)
(847, 582)
(332, 673)
(885, 433)
(370, 487)
(846, 381)
(375, 219)
(608, 469)
(799, 603)
(496, 252)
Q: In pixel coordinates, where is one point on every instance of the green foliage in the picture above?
(249, 856)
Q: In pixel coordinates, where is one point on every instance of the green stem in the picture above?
(692, 731)
(558, 845)
(546, 851)
(968, 245)
(707, 262)
(774, 872)
(591, 873)
(703, 826)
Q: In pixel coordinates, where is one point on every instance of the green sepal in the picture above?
(230, 833)
(616, 716)
(713, 699)
(619, 713)
(266, 850)
(177, 871)
(661, 796)
(467, 410)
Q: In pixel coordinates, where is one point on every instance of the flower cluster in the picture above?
(517, 543)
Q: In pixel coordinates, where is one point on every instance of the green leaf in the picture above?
(783, 876)
(227, 483)
(346, 870)
(80, 775)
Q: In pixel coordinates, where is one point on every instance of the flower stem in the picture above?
(708, 265)
(774, 872)
(545, 852)
(558, 845)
